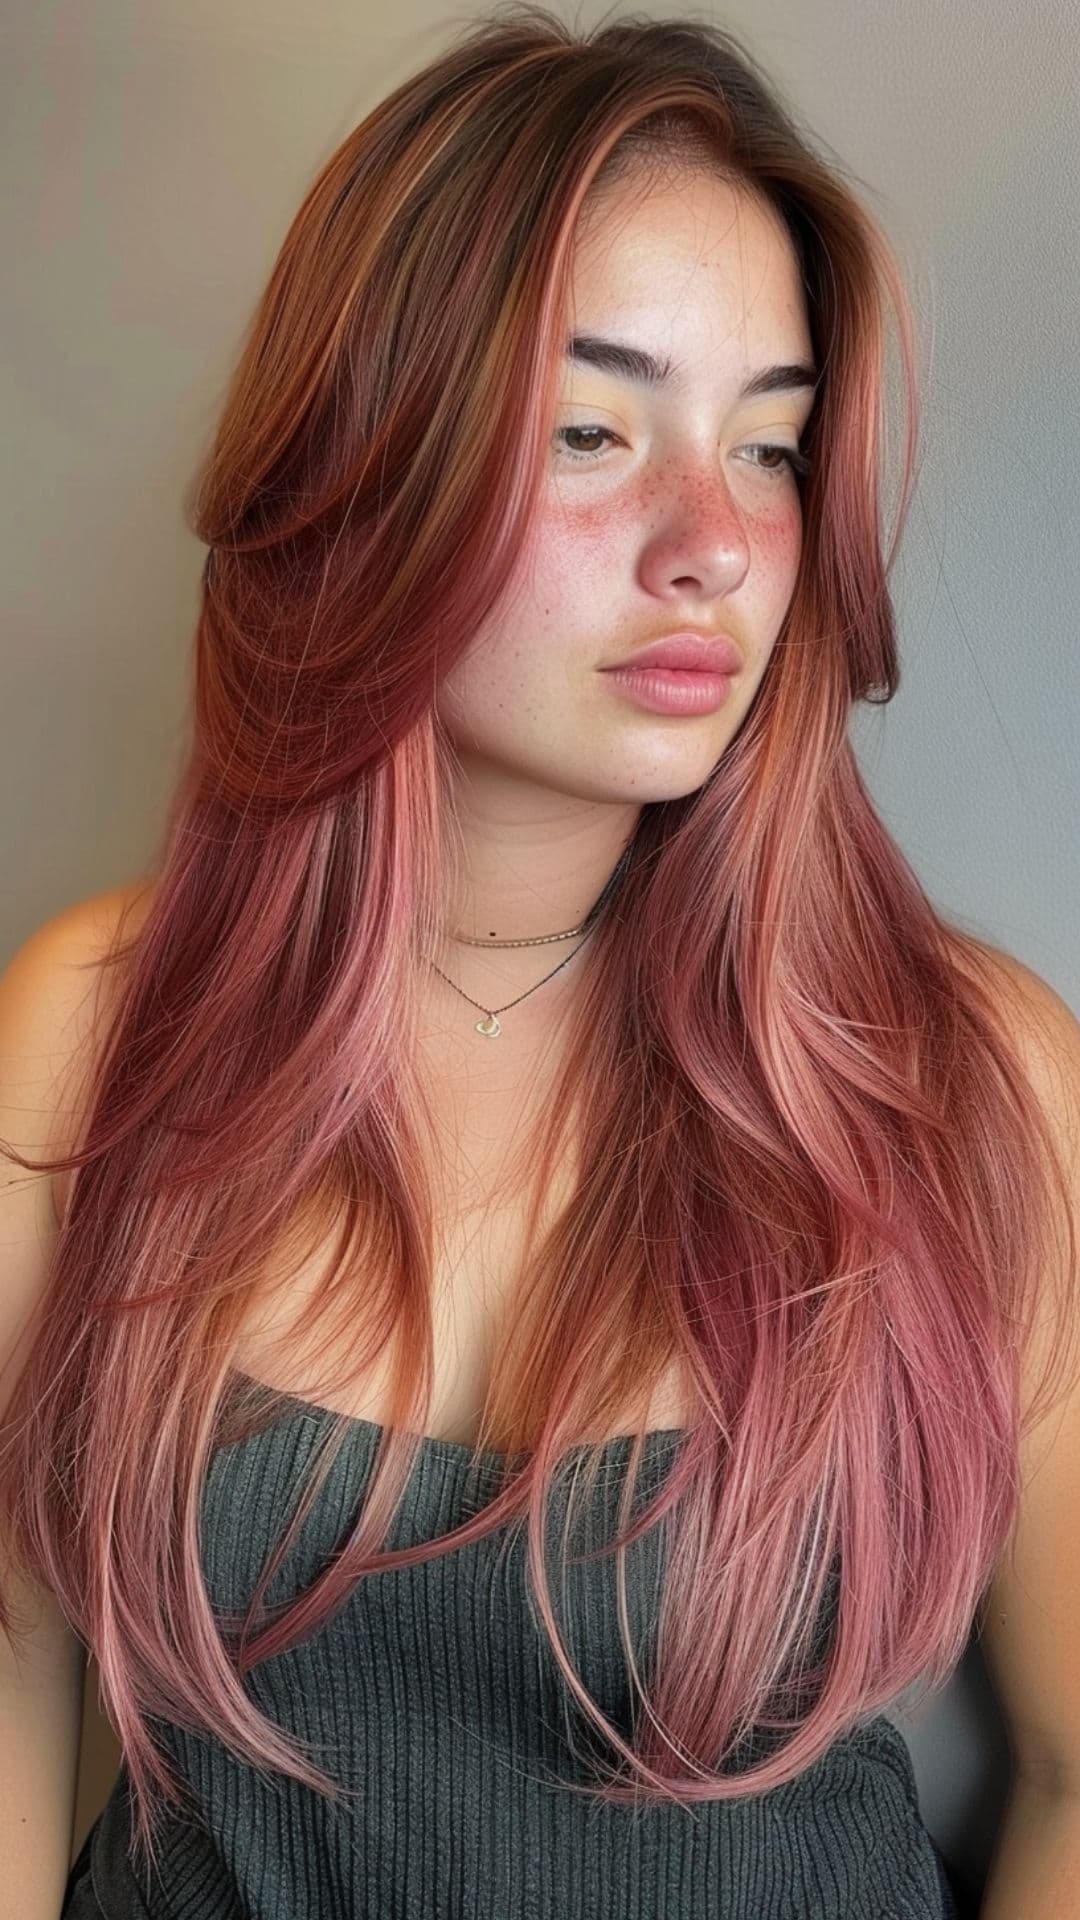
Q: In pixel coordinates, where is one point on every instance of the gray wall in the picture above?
(154, 157)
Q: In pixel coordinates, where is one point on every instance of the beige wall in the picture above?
(155, 154)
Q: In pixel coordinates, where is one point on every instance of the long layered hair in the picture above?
(811, 1170)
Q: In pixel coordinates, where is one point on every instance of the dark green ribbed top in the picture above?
(437, 1701)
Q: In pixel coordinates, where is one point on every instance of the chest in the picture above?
(483, 1107)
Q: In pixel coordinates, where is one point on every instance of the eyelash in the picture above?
(796, 462)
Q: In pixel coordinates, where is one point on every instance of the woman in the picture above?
(707, 1211)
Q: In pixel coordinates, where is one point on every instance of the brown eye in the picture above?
(788, 458)
(588, 433)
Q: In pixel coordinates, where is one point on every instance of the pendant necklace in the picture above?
(490, 1026)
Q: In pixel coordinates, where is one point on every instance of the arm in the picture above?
(1035, 1870)
(46, 1008)
(41, 1697)
(1030, 1616)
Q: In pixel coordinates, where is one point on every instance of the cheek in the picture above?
(574, 546)
(775, 540)
(594, 540)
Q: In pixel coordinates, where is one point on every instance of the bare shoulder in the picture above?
(85, 930)
(56, 976)
(1042, 1028)
(1030, 1616)
(1020, 986)
(1044, 1033)
(55, 1000)
(52, 996)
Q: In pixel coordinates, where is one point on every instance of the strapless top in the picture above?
(434, 1696)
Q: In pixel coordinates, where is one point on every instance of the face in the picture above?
(667, 506)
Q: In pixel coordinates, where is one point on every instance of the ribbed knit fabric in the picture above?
(438, 1703)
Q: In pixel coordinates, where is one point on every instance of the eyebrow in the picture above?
(634, 363)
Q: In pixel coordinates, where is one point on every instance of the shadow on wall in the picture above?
(957, 1741)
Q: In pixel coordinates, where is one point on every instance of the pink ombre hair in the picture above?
(812, 1173)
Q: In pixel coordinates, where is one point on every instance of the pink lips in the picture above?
(684, 673)
(672, 689)
(691, 652)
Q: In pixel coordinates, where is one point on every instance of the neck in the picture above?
(529, 866)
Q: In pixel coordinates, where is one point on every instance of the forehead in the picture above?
(687, 257)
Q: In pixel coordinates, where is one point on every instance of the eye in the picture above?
(605, 433)
(789, 456)
(787, 459)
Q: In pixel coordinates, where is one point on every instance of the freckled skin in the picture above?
(673, 524)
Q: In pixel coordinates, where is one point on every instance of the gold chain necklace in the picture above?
(489, 1026)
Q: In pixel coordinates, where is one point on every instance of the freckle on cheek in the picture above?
(586, 533)
(598, 521)
(776, 537)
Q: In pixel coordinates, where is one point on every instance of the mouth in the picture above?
(684, 652)
(675, 690)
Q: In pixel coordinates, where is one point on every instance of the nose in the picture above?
(702, 544)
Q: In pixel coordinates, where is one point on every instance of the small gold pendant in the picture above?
(490, 1026)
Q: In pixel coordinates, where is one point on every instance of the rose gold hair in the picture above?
(812, 1169)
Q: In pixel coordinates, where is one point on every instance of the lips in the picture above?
(689, 651)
